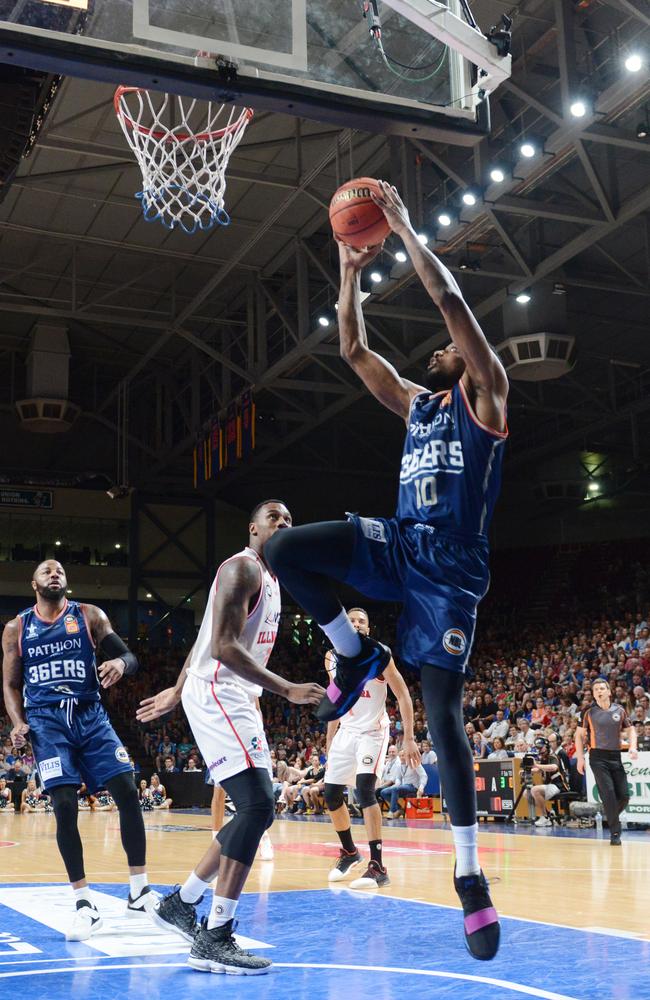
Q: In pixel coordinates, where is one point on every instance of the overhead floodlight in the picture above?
(578, 108)
(377, 275)
(593, 487)
(323, 320)
(634, 62)
(401, 257)
(471, 196)
(498, 174)
(528, 149)
(523, 298)
(423, 238)
(444, 218)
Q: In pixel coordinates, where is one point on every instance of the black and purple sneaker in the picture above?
(352, 675)
(482, 928)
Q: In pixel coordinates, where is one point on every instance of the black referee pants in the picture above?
(611, 781)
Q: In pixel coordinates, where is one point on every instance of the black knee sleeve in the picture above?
(366, 790)
(134, 840)
(252, 794)
(333, 795)
(64, 803)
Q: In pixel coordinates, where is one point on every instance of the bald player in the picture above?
(52, 693)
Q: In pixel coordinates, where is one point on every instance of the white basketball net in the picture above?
(182, 146)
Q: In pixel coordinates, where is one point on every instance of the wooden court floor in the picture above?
(572, 880)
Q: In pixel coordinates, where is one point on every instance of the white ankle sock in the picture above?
(137, 884)
(465, 837)
(193, 889)
(83, 893)
(221, 911)
(342, 635)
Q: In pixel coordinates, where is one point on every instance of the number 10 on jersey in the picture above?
(425, 491)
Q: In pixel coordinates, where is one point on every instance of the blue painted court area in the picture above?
(325, 944)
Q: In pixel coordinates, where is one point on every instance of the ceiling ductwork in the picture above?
(47, 409)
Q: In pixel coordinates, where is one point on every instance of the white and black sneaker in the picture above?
(86, 921)
(172, 914)
(216, 950)
(344, 865)
(144, 903)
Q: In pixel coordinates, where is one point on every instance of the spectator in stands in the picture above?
(190, 767)
(159, 794)
(644, 738)
(170, 765)
(390, 770)
(523, 725)
(409, 781)
(499, 751)
(479, 746)
(312, 792)
(429, 756)
(500, 727)
(540, 716)
(165, 749)
(17, 780)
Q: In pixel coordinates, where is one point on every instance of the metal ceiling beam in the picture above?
(595, 181)
(630, 7)
(545, 210)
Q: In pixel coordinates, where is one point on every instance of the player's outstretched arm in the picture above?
(239, 584)
(483, 368)
(165, 701)
(397, 684)
(377, 374)
(12, 682)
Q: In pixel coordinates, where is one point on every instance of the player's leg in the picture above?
(217, 809)
(87, 919)
(339, 771)
(214, 948)
(142, 898)
(375, 875)
(331, 546)
(442, 693)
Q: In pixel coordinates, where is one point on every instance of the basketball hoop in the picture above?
(182, 147)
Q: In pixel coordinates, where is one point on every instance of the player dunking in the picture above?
(52, 692)
(433, 555)
(220, 682)
(356, 750)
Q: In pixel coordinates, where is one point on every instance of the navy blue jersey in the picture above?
(451, 465)
(58, 657)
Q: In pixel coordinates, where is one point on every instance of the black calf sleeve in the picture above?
(134, 841)
(292, 554)
(442, 693)
(333, 794)
(366, 790)
(252, 794)
(64, 803)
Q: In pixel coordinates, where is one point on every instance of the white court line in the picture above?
(614, 932)
(532, 991)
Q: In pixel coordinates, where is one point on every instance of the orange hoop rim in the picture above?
(244, 118)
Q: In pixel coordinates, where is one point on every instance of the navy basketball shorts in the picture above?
(439, 578)
(76, 744)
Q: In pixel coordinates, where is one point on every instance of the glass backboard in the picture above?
(314, 59)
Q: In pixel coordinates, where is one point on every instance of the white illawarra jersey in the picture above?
(258, 636)
(369, 712)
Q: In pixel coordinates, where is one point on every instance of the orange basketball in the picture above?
(354, 217)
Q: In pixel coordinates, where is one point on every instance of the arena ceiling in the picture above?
(169, 328)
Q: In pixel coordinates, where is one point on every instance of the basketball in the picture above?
(354, 217)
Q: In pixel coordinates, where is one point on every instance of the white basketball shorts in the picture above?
(354, 753)
(227, 727)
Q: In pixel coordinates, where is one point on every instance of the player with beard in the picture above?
(433, 555)
(52, 691)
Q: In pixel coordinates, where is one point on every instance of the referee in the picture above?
(601, 726)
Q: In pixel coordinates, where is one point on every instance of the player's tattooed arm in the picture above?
(377, 374)
(12, 682)
(239, 586)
